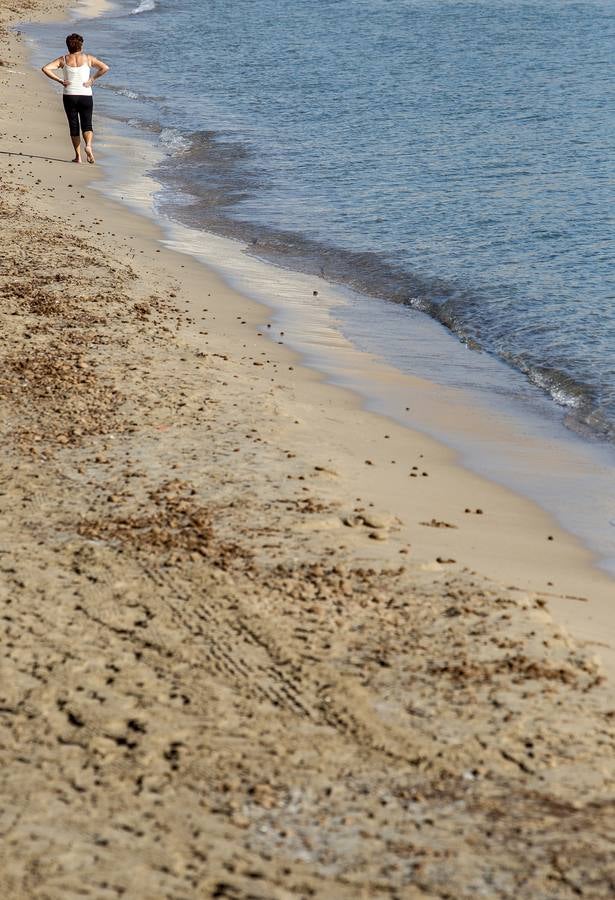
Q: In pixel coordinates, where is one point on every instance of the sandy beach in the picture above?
(257, 641)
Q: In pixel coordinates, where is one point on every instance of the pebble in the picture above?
(373, 520)
(352, 521)
(378, 535)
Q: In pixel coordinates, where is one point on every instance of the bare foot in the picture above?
(77, 159)
(90, 155)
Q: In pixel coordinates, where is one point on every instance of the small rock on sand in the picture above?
(373, 520)
(352, 521)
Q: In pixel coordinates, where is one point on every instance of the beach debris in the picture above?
(325, 470)
(436, 523)
(371, 520)
(68, 399)
(172, 523)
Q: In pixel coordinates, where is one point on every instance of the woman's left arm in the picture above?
(101, 69)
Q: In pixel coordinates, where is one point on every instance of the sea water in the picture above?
(448, 158)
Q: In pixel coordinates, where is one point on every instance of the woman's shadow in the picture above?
(32, 156)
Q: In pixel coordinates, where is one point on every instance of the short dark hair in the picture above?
(74, 42)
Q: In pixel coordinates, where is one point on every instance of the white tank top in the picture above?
(76, 75)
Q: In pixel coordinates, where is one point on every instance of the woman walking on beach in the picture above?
(77, 80)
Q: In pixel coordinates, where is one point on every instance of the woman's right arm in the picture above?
(50, 69)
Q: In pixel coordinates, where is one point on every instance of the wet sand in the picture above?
(258, 642)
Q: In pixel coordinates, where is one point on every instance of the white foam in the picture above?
(144, 6)
(174, 140)
(126, 93)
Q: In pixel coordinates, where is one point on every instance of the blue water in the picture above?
(451, 155)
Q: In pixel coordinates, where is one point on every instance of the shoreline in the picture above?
(499, 426)
(216, 568)
(511, 438)
(507, 445)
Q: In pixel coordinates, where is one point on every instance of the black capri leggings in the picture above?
(78, 108)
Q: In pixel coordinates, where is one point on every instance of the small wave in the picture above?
(584, 412)
(174, 141)
(144, 6)
(561, 388)
(444, 311)
(130, 94)
(565, 389)
(124, 92)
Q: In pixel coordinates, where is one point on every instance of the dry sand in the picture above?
(238, 658)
